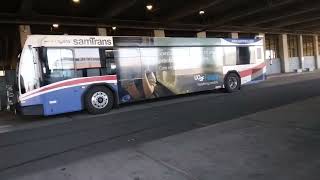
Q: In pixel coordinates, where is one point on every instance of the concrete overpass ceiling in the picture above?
(306, 25)
(306, 18)
(188, 8)
(220, 15)
(137, 12)
(86, 8)
(10, 6)
(213, 12)
(280, 14)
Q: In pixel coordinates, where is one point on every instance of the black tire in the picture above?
(92, 100)
(232, 83)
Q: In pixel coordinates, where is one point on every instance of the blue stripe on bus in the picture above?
(257, 79)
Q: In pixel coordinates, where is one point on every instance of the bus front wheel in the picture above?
(232, 83)
(98, 100)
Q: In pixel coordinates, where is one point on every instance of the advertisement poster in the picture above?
(153, 72)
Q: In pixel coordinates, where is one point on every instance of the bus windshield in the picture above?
(29, 70)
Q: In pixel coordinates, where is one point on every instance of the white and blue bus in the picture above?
(60, 74)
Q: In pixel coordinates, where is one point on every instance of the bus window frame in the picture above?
(45, 60)
(107, 65)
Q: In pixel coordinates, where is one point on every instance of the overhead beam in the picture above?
(190, 8)
(313, 27)
(305, 25)
(281, 15)
(229, 28)
(247, 12)
(8, 18)
(296, 20)
(117, 7)
(316, 29)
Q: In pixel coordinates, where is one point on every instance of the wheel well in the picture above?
(115, 95)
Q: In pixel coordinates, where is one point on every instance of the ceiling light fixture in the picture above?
(76, 1)
(114, 28)
(201, 12)
(149, 7)
(55, 25)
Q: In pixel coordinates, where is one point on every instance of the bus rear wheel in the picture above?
(232, 83)
(99, 100)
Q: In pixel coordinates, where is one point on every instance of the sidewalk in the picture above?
(278, 144)
(293, 74)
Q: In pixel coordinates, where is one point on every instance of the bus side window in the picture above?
(87, 62)
(230, 56)
(110, 63)
(243, 55)
(59, 67)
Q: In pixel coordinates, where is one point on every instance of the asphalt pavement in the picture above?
(33, 142)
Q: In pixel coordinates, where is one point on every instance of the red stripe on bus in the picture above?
(74, 82)
(251, 71)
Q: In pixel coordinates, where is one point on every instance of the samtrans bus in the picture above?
(59, 74)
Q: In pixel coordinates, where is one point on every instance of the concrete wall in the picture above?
(3, 93)
(309, 62)
(294, 63)
(316, 51)
(9, 79)
(275, 67)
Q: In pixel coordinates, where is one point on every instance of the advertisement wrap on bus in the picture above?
(59, 74)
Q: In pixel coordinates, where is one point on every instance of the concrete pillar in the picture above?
(102, 31)
(202, 34)
(316, 51)
(159, 33)
(263, 37)
(234, 35)
(300, 51)
(24, 31)
(284, 53)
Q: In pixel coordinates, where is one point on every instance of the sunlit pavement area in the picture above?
(267, 131)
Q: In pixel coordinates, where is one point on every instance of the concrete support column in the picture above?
(202, 34)
(316, 51)
(24, 31)
(234, 35)
(102, 31)
(300, 51)
(159, 33)
(284, 53)
(263, 37)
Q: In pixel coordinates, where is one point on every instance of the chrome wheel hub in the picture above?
(233, 82)
(99, 100)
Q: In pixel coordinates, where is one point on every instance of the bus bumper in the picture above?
(34, 110)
